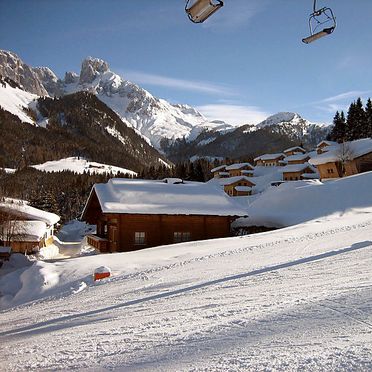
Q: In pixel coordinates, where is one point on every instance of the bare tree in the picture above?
(345, 154)
(11, 222)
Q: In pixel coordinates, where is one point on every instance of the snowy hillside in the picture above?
(293, 299)
(80, 165)
(152, 117)
(16, 100)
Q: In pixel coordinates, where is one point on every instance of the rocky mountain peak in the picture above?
(91, 68)
(48, 79)
(12, 67)
(71, 77)
(280, 117)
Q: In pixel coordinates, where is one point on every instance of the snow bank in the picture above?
(300, 201)
(75, 231)
(28, 283)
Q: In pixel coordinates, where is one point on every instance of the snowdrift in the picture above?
(300, 201)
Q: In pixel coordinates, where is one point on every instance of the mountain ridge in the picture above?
(159, 122)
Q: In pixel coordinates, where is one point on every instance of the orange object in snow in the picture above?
(101, 273)
(99, 276)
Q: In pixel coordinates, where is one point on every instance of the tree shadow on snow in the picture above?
(76, 319)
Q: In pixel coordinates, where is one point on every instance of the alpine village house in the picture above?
(25, 229)
(136, 214)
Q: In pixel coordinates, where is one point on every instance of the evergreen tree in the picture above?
(368, 111)
(356, 121)
(338, 132)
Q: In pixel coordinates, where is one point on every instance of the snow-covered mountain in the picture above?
(152, 117)
(155, 119)
(292, 125)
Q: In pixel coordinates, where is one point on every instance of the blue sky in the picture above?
(244, 63)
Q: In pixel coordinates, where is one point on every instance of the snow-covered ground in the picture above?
(299, 298)
(15, 100)
(81, 165)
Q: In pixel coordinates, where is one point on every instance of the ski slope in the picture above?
(299, 298)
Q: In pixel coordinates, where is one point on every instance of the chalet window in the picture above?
(139, 237)
(179, 237)
(330, 171)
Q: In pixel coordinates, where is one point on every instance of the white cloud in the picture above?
(180, 84)
(233, 114)
(347, 95)
(340, 102)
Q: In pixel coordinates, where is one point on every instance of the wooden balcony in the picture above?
(99, 243)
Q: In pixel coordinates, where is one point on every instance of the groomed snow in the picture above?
(297, 299)
(80, 165)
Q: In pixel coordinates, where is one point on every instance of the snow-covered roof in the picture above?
(231, 180)
(299, 148)
(157, 197)
(293, 168)
(347, 151)
(244, 171)
(27, 231)
(296, 157)
(25, 211)
(326, 143)
(243, 188)
(239, 166)
(218, 168)
(269, 156)
(224, 173)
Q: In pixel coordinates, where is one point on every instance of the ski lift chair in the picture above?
(318, 19)
(200, 10)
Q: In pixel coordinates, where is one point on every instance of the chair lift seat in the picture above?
(202, 9)
(319, 17)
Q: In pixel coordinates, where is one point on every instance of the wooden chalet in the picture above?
(219, 172)
(237, 186)
(237, 169)
(270, 160)
(296, 172)
(137, 214)
(297, 159)
(25, 229)
(294, 150)
(324, 146)
(345, 159)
